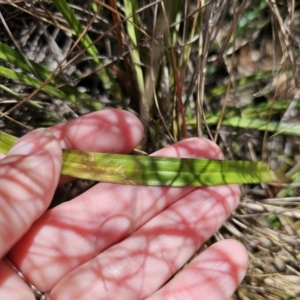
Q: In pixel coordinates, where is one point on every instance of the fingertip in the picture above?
(210, 149)
(193, 147)
(214, 274)
(234, 250)
(224, 264)
(124, 124)
(109, 131)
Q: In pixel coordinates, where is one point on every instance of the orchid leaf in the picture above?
(154, 170)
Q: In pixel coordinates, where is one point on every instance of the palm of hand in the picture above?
(113, 241)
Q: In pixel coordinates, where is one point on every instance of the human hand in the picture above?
(113, 241)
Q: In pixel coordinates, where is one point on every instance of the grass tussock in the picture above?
(225, 70)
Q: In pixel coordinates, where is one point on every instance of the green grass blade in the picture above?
(10, 55)
(233, 118)
(33, 103)
(75, 24)
(156, 171)
(265, 109)
(11, 74)
(282, 127)
(6, 141)
(240, 83)
(130, 8)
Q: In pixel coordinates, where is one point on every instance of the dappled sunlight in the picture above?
(153, 112)
(76, 231)
(217, 271)
(107, 131)
(135, 267)
(192, 148)
(26, 186)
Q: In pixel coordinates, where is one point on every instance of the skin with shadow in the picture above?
(113, 241)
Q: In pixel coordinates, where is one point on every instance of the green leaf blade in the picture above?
(59, 93)
(67, 12)
(6, 142)
(155, 170)
(163, 171)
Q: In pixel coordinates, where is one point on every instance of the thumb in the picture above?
(28, 179)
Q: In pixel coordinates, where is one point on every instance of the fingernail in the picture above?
(33, 142)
